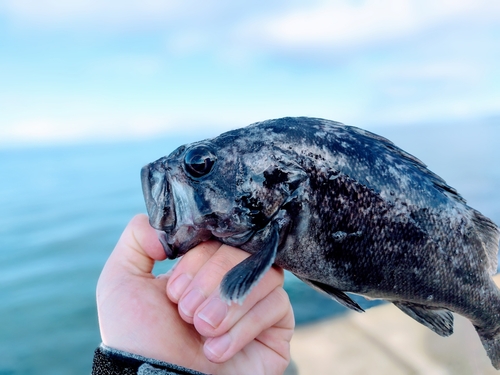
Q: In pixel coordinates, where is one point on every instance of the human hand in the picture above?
(180, 318)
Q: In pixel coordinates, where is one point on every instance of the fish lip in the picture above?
(146, 190)
(171, 251)
(155, 189)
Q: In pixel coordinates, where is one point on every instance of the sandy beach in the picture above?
(383, 340)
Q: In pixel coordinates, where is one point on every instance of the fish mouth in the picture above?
(157, 197)
(159, 205)
(172, 211)
(178, 243)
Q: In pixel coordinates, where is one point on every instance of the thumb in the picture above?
(137, 249)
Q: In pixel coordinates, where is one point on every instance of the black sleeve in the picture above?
(109, 361)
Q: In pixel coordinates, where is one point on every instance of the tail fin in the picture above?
(489, 234)
(492, 347)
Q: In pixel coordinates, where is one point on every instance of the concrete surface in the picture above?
(384, 340)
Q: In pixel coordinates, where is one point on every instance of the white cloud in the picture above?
(412, 60)
(258, 27)
(54, 13)
(36, 130)
(335, 23)
(46, 129)
(440, 70)
(344, 24)
(453, 109)
(112, 126)
(116, 16)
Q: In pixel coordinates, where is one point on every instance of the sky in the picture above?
(98, 70)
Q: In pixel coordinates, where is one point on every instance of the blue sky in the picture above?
(94, 70)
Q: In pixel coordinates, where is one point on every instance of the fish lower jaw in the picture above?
(170, 251)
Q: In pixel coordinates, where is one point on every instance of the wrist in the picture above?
(109, 361)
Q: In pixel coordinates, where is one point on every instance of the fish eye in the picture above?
(199, 161)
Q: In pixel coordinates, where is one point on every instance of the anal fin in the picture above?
(438, 320)
(335, 293)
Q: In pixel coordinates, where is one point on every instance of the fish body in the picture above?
(343, 209)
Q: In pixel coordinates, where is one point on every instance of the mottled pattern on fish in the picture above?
(343, 209)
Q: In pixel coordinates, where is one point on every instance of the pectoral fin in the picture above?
(440, 321)
(335, 293)
(238, 282)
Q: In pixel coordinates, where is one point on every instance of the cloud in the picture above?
(50, 129)
(113, 126)
(123, 15)
(37, 130)
(342, 24)
(87, 13)
(254, 28)
(232, 63)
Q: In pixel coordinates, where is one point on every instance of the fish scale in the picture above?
(343, 209)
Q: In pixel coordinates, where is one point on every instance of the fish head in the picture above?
(222, 188)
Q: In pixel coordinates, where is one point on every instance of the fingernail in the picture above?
(178, 286)
(191, 301)
(214, 312)
(219, 345)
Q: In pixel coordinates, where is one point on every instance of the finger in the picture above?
(214, 316)
(187, 267)
(270, 319)
(207, 280)
(137, 249)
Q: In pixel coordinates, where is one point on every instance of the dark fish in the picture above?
(343, 209)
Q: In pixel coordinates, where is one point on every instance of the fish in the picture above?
(343, 209)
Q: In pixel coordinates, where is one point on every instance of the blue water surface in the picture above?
(62, 209)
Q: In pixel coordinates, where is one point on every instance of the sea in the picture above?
(63, 207)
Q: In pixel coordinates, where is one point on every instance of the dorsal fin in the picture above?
(437, 181)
